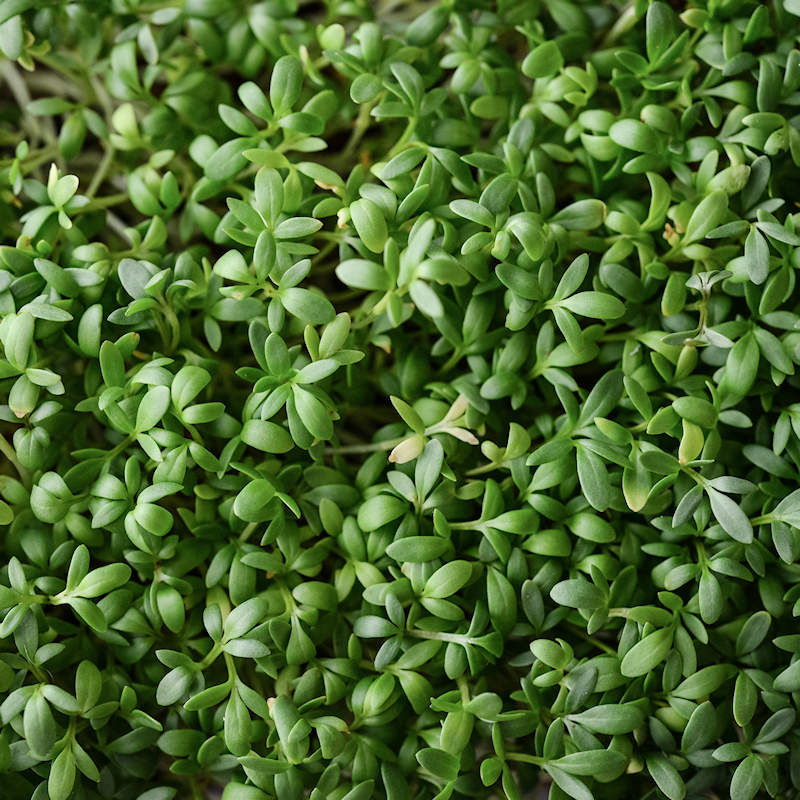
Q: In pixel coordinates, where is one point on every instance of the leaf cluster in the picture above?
(397, 400)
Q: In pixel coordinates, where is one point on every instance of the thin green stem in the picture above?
(591, 639)
(374, 312)
(102, 202)
(455, 357)
(247, 532)
(463, 687)
(231, 665)
(373, 447)
(490, 467)
(471, 525)
(440, 636)
(625, 21)
(403, 140)
(528, 759)
(8, 451)
(361, 126)
(19, 90)
(102, 171)
(211, 657)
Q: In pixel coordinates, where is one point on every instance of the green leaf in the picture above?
(240, 791)
(152, 408)
(417, 549)
(578, 593)
(788, 680)
(439, 763)
(706, 217)
(634, 135)
(62, 775)
(756, 256)
(594, 304)
(426, 299)
(745, 699)
(591, 762)
(313, 414)
(269, 196)
(39, 726)
(153, 518)
(317, 371)
(730, 515)
(703, 682)
(593, 478)
(18, 339)
(237, 725)
(659, 35)
(776, 726)
(753, 632)
(582, 215)
(360, 274)
(543, 60)
(233, 267)
(700, 729)
(647, 654)
(285, 84)
(611, 719)
(742, 365)
(747, 778)
(370, 224)
(104, 579)
(591, 527)
(448, 579)
(244, 617)
(266, 436)
(666, 777)
(571, 786)
(379, 511)
(409, 415)
(308, 306)
(428, 467)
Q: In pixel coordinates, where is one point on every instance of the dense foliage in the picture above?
(399, 400)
